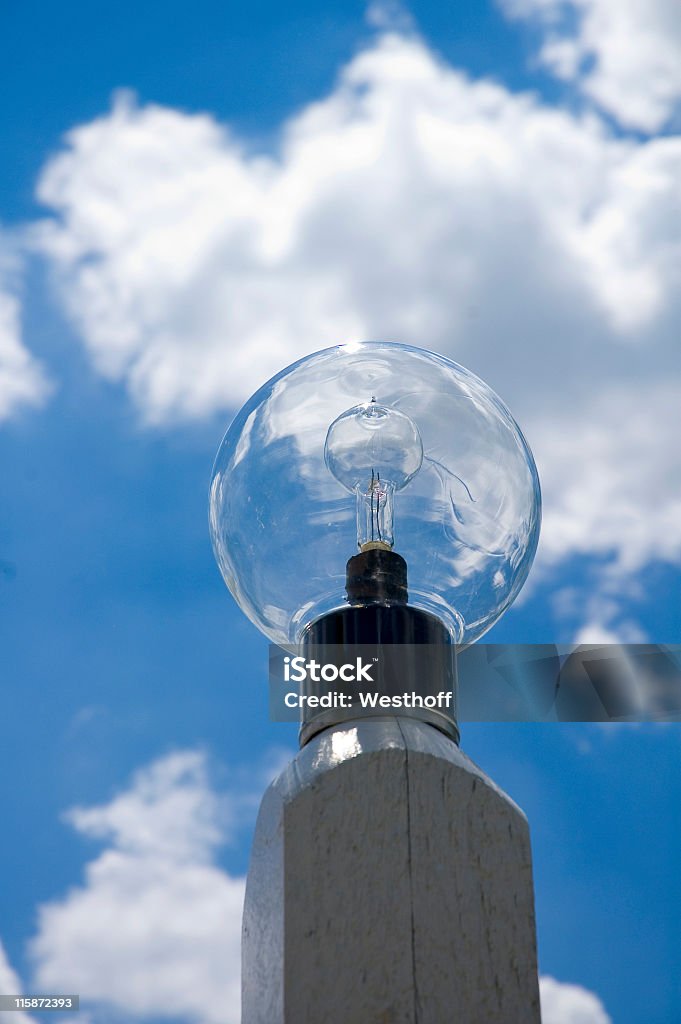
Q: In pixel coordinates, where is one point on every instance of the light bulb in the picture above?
(311, 466)
(373, 451)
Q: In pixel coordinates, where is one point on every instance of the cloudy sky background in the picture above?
(189, 202)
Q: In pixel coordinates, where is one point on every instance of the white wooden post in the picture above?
(390, 883)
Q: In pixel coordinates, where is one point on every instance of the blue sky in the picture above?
(496, 182)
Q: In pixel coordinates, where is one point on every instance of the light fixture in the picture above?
(392, 459)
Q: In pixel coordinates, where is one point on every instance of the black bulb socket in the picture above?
(376, 576)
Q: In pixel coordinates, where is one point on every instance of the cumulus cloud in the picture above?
(415, 205)
(570, 1004)
(155, 928)
(22, 380)
(11, 985)
(395, 207)
(390, 15)
(612, 479)
(624, 54)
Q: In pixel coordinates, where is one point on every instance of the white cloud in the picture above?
(612, 479)
(600, 611)
(624, 54)
(396, 207)
(177, 260)
(10, 985)
(410, 204)
(570, 1004)
(22, 380)
(598, 632)
(155, 928)
(389, 15)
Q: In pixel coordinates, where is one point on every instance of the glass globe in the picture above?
(374, 445)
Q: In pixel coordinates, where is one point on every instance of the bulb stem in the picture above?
(375, 505)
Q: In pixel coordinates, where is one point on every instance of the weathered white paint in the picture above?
(390, 883)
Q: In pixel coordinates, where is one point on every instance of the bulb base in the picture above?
(412, 666)
(376, 575)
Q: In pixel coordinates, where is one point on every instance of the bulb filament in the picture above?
(375, 489)
(375, 513)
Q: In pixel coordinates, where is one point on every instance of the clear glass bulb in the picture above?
(437, 439)
(373, 451)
